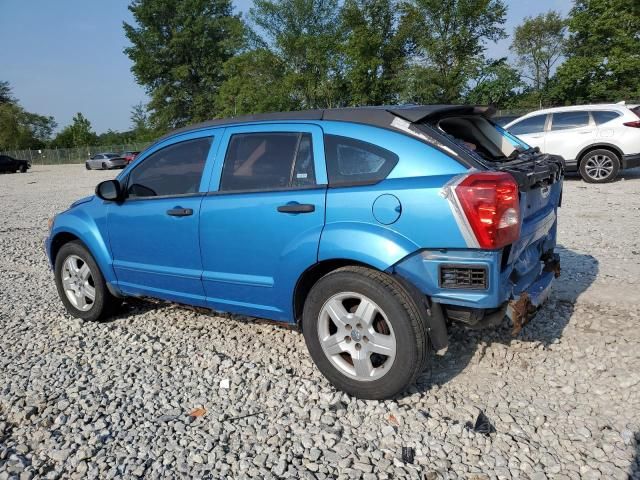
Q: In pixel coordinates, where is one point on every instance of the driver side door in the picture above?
(154, 232)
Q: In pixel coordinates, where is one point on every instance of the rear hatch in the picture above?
(483, 145)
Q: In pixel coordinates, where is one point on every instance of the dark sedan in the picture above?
(10, 164)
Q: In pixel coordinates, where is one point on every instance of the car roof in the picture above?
(379, 116)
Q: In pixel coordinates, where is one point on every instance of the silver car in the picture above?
(105, 161)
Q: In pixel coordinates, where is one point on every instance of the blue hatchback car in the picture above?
(369, 228)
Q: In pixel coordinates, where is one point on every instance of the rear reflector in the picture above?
(491, 205)
(471, 278)
(634, 124)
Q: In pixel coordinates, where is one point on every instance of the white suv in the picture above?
(596, 140)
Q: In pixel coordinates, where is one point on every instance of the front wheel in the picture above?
(80, 284)
(365, 332)
(23, 169)
(599, 166)
(86, 165)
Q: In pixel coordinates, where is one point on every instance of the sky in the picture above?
(66, 56)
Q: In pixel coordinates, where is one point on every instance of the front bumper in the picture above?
(631, 161)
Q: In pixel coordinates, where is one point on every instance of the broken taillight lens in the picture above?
(490, 202)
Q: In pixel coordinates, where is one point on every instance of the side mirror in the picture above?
(110, 190)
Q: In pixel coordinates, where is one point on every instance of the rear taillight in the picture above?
(634, 124)
(490, 203)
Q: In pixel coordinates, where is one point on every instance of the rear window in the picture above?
(351, 161)
(568, 120)
(604, 116)
(529, 125)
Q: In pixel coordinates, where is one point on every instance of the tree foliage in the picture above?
(450, 39)
(304, 35)
(375, 50)
(18, 128)
(78, 134)
(603, 54)
(496, 83)
(178, 49)
(539, 43)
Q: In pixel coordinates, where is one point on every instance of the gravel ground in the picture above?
(121, 398)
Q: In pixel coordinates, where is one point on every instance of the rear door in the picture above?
(261, 222)
(569, 133)
(531, 130)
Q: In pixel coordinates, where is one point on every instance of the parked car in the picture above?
(596, 140)
(368, 228)
(105, 161)
(10, 164)
(129, 156)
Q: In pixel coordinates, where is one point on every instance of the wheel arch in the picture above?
(91, 240)
(311, 275)
(598, 146)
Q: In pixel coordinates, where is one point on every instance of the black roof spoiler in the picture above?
(379, 116)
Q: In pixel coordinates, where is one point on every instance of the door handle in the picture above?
(297, 208)
(180, 212)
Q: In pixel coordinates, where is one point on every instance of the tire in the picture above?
(86, 165)
(397, 325)
(103, 303)
(599, 166)
(104, 166)
(23, 169)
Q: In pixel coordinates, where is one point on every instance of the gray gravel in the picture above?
(103, 400)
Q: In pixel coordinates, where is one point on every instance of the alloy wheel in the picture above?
(356, 336)
(78, 283)
(599, 167)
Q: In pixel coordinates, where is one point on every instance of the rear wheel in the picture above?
(599, 166)
(81, 285)
(104, 166)
(365, 332)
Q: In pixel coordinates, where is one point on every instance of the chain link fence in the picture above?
(56, 156)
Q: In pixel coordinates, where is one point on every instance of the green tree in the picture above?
(496, 84)
(142, 131)
(303, 34)
(450, 39)
(539, 43)
(256, 82)
(603, 53)
(178, 49)
(20, 129)
(375, 50)
(78, 134)
(5, 93)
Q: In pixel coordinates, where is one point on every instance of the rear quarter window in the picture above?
(604, 116)
(353, 162)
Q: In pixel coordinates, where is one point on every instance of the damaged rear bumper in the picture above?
(482, 308)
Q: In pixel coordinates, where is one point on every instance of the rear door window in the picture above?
(569, 120)
(268, 161)
(529, 125)
(604, 116)
(172, 170)
(351, 161)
